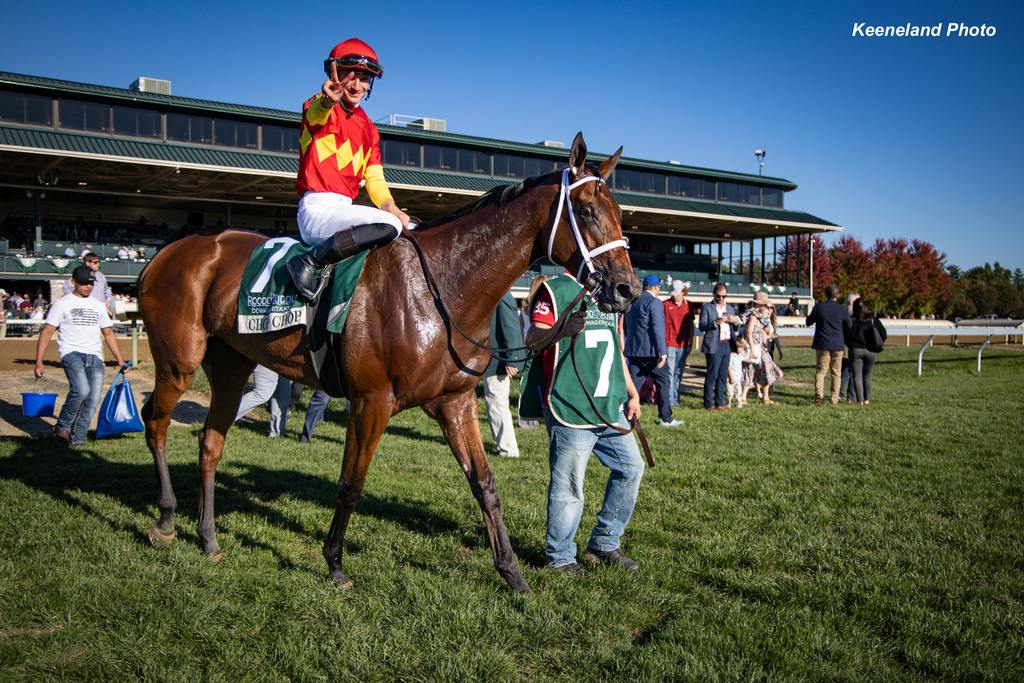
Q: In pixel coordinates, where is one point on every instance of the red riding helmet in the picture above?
(354, 55)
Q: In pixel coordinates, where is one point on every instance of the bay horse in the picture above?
(397, 351)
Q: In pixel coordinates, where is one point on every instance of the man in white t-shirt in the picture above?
(82, 321)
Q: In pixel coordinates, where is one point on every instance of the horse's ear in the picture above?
(578, 154)
(606, 168)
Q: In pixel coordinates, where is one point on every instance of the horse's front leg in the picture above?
(368, 417)
(457, 415)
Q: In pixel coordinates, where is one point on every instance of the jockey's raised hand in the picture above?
(340, 156)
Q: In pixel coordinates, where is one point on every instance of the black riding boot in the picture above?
(337, 247)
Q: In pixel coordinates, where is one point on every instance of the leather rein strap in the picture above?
(634, 423)
(503, 354)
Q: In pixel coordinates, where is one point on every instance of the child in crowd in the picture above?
(735, 390)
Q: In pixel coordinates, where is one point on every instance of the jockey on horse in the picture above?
(340, 149)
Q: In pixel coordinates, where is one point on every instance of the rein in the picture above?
(496, 351)
(564, 200)
(634, 423)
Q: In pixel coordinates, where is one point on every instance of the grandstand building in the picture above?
(121, 171)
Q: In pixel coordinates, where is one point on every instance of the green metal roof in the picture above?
(147, 150)
(645, 201)
(56, 87)
(287, 165)
(400, 175)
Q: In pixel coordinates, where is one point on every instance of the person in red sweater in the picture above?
(679, 316)
(340, 148)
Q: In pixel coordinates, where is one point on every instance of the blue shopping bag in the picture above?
(118, 413)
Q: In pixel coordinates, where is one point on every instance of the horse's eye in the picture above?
(587, 212)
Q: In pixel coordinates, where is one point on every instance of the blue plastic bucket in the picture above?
(37, 405)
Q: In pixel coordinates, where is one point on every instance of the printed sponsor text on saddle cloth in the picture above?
(267, 300)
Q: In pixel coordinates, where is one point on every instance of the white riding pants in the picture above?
(321, 214)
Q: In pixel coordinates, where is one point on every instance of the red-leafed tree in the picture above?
(930, 283)
(909, 277)
(853, 268)
(792, 264)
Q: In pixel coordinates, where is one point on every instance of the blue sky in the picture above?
(910, 137)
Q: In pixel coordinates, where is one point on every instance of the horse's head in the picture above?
(586, 233)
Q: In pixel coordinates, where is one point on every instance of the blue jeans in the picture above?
(85, 377)
(569, 452)
(717, 378)
(676, 363)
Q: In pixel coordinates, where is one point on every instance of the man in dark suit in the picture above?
(646, 351)
(831, 319)
(717, 321)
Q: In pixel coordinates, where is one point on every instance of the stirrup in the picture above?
(321, 285)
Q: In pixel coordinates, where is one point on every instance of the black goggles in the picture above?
(355, 63)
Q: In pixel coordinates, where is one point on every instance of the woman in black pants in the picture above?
(864, 339)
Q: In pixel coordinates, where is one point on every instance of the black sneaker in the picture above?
(571, 569)
(612, 558)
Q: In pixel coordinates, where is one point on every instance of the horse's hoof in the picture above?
(216, 556)
(520, 586)
(341, 582)
(159, 539)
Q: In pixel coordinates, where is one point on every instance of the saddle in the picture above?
(268, 302)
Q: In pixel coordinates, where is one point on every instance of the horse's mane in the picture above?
(496, 196)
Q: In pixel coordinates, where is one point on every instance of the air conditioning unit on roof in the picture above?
(157, 85)
(553, 143)
(437, 125)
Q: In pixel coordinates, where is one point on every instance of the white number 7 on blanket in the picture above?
(284, 244)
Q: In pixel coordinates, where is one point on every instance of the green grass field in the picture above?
(786, 542)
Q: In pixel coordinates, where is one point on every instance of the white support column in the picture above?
(920, 355)
(983, 345)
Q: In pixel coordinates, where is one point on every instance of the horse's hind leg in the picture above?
(227, 371)
(173, 378)
(458, 418)
(368, 417)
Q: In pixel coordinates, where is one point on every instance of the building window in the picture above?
(697, 188)
(508, 166)
(639, 181)
(85, 116)
(771, 196)
(397, 153)
(142, 123)
(280, 139)
(471, 161)
(739, 192)
(234, 133)
(18, 108)
(185, 128)
(533, 167)
(441, 158)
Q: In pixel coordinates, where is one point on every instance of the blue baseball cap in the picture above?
(651, 279)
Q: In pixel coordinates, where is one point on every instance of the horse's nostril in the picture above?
(623, 292)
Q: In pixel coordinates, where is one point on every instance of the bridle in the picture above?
(590, 284)
(565, 200)
(588, 290)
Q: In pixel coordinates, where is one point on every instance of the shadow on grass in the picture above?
(12, 415)
(66, 475)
